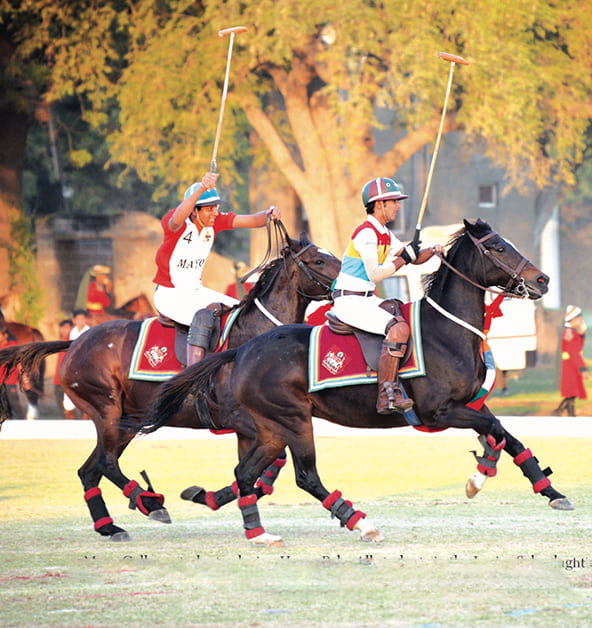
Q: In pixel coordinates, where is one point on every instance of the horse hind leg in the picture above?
(216, 499)
(248, 470)
(90, 477)
(102, 463)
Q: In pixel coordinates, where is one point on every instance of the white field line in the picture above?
(518, 426)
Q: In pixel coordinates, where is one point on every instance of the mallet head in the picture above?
(452, 58)
(232, 30)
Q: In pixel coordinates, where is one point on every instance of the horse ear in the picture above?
(297, 245)
(478, 227)
(468, 225)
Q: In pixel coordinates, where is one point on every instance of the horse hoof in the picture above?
(368, 532)
(374, 536)
(121, 537)
(161, 515)
(474, 484)
(268, 540)
(192, 492)
(562, 503)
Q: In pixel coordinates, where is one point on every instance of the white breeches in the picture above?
(363, 313)
(180, 304)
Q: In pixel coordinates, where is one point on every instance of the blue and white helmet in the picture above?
(209, 197)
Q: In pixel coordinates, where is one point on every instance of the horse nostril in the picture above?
(542, 279)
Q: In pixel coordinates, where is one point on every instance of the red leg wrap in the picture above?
(522, 457)
(92, 492)
(103, 522)
(537, 487)
(354, 519)
(211, 500)
(135, 493)
(331, 499)
(247, 500)
(250, 534)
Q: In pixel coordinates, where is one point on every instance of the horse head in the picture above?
(503, 265)
(317, 268)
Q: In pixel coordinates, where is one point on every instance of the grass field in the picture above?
(502, 559)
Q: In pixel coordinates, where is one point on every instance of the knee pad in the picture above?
(201, 330)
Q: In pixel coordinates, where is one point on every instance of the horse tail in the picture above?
(29, 358)
(197, 379)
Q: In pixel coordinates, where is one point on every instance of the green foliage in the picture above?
(152, 75)
(23, 278)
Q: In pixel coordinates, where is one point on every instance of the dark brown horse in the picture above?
(268, 376)
(33, 389)
(94, 372)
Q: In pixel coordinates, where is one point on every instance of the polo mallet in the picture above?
(453, 61)
(223, 33)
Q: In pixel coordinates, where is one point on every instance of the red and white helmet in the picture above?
(381, 189)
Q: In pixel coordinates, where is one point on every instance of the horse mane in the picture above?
(264, 282)
(433, 284)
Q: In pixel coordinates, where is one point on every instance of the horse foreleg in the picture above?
(216, 499)
(539, 478)
(307, 478)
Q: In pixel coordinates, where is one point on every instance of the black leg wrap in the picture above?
(223, 496)
(487, 463)
(103, 523)
(250, 513)
(340, 508)
(530, 468)
(264, 485)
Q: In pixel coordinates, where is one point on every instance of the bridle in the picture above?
(280, 236)
(519, 291)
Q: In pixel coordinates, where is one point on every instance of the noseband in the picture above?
(520, 291)
(319, 279)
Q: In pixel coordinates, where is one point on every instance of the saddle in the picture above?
(181, 332)
(370, 343)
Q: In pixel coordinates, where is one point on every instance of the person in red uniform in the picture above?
(189, 231)
(573, 367)
(99, 288)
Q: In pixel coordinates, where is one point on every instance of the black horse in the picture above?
(95, 371)
(268, 376)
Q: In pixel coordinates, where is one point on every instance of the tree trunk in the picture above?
(13, 136)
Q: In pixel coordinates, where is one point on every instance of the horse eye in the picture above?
(319, 262)
(500, 249)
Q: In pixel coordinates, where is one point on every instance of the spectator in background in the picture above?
(11, 381)
(94, 290)
(64, 329)
(99, 290)
(80, 320)
(573, 366)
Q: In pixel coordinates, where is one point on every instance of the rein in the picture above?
(519, 292)
(281, 236)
